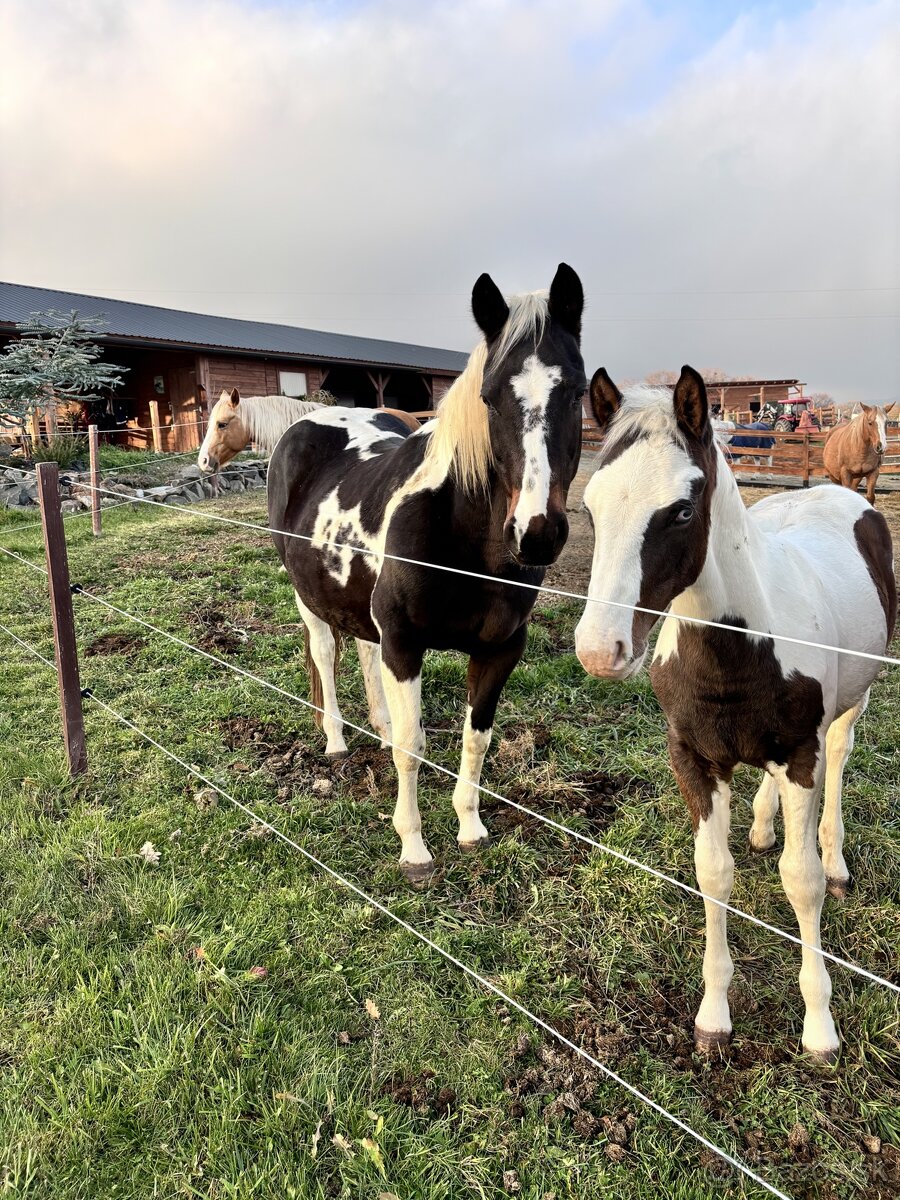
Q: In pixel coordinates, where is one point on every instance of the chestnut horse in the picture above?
(670, 527)
(854, 450)
(236, 421)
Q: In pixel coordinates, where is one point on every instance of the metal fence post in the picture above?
(94, 451)
(66, 653)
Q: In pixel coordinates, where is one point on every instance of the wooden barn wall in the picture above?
(256, 376)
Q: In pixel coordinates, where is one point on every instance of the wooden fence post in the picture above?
(154, 422)
(66, 653)
(806, 460)
(94, 452)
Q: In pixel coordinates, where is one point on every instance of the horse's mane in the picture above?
(267, 417)
(645, 412)
(461, 441)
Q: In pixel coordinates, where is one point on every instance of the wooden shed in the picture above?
(181, 361)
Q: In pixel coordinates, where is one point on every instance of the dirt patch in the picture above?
(593, 795)
(114, 643)
(422, 1094)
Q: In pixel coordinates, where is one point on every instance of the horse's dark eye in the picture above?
(683, 515)
(221, 424)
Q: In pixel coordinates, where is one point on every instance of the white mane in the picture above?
(461, 441)
(267, 417)
(645, 412)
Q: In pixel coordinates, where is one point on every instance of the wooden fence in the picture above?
(797, 455)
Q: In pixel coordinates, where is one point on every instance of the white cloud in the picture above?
(357, 168)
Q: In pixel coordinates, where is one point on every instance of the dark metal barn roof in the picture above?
(147, 323)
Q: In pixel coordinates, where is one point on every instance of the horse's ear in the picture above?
(691, 405)
(867, 408)
(605, 397)
(566, 302)
(489, 308)
(235, 397)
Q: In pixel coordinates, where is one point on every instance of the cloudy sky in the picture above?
(724, 175)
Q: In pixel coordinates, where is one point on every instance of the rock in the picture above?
(174, 499)
(191, 472)
(71, 506)
(163, 489)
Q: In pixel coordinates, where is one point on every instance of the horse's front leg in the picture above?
(709, 802)
(803, 878)
(871, 480)
(401, 674)
(486, 679)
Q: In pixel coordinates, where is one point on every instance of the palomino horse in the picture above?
(480, 489)
(670, 526)
(853, 451)
(236, 421)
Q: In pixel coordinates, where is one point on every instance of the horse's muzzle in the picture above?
(542, 542)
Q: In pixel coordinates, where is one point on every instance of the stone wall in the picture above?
(18, 489)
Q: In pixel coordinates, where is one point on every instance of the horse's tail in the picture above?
(316, 694)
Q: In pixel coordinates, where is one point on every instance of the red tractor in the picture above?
(790, 414)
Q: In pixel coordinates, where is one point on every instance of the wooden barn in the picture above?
(181, 361)
(749, 395)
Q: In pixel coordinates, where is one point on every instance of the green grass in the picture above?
(140, 1057)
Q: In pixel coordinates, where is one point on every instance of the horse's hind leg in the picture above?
(379, 716)
(765, 809)
(838, 744)
(804, 884)
(322, 690)
(486, 678)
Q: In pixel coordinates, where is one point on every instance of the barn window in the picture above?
(292, 383)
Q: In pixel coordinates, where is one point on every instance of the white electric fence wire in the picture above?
(560, 828)
(534, 587)
(27, 561)
(451, 958)
(26, 646)
(77, 433)
(84, 512)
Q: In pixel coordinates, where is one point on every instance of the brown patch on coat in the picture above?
(873, 539)
(728, 702)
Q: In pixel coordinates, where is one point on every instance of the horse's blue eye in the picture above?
(683, 516)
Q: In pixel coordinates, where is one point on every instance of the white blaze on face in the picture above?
(881, 419)
(532, 386)
(622, 498)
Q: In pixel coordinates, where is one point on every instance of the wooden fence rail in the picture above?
(798, 455)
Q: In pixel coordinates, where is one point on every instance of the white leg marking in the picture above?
(715, 875)
(804, 885)
(404, 702)
(370, 662)
(838, 744)
(765, 810)
(465, 796)
(321, 647)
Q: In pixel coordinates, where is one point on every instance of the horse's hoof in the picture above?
(419, 875)
(839, 888)
(472, 847)
(710, 1041)
(770, 849)
(337, 755)
(826, 1058)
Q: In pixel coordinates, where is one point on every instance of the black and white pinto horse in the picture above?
(670, 526)
(481, 488)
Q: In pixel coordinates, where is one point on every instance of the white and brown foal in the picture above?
(671, 528)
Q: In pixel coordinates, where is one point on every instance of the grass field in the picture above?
(225, 1023)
